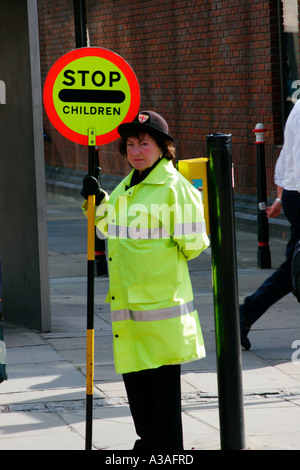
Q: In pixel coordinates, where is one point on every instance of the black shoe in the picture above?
(244, 329)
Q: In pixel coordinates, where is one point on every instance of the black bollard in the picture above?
(263, 252)
(224, 275)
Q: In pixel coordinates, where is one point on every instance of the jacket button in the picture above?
(116, 336)
(113, 298)
(110, 259)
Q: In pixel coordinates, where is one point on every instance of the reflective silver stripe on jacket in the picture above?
(153, 315)
(136, 233)
(189, 228)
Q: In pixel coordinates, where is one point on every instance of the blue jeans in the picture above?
(279, 283)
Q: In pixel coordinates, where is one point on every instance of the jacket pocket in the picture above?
(150, 293)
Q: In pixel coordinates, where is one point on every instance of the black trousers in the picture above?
(154, 397)
(279, 283)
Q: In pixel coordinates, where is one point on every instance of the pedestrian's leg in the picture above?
(280, 283)
(273, 289)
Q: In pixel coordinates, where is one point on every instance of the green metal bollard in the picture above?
(224, 275)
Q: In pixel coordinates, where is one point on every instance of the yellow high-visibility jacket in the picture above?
(153, 228)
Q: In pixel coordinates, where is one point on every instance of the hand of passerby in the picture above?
(275, 209)
(90, 187)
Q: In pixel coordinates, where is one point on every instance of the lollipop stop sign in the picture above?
(88, 93)
(91, 88)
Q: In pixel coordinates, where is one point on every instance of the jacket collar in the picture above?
(158, 175)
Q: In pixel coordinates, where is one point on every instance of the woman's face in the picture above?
(142, 151)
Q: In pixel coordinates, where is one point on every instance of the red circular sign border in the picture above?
(67, 59)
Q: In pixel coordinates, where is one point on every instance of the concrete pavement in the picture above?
(42, 404)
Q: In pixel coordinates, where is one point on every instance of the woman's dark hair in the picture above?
(166, 145)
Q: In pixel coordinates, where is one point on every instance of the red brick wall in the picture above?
(205, 66)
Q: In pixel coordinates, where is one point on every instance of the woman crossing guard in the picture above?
(154, 224)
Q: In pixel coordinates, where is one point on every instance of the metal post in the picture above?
(80, 23)
(224, 274)
(81, 41)
(263, 253)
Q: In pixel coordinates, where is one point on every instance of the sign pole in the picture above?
(90, 297)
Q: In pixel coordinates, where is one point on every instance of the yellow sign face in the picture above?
(91, 88)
